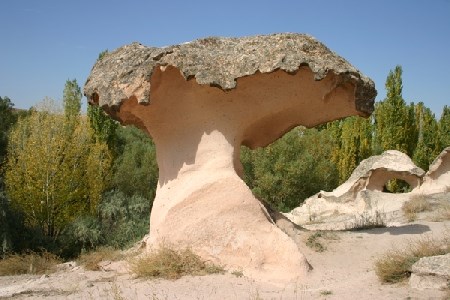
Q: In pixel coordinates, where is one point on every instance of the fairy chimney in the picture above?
(200, 101)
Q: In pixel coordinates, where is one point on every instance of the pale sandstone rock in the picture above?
(437, 179)
(200, 101)
(373, 173)
(431, 273)
(360, 201)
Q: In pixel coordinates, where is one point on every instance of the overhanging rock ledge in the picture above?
(220, 62)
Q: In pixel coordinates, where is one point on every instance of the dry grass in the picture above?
(417, 204)
(395, 265)
(168, 263)
(316, 240)
(238, 273)
(91, 260)
(326, 292)
(368, 221)
(30, 263)
(314, 243)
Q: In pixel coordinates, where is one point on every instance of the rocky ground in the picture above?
(344, 270)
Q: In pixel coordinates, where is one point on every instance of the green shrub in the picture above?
(15, 236)
(135, 171)
(121, 221)
(291, 169)
(124, 219)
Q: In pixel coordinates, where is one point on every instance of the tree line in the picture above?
(71, 182)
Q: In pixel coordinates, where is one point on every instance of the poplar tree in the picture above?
(7, 119)
(52, 176)
(428, 138)
(72, 99)
(444, 128)
(394, 119)
(335, 131)
(104, 128)
(355, 145)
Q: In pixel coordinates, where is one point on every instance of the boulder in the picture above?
(431, 273)
(437, 179)
(360, 201)
(200, 101)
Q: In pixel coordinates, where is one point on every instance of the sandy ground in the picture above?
(343, 271)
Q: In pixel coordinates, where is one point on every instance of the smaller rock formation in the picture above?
(431, 273)
(373, 173)
(360, 201)
(437, 179)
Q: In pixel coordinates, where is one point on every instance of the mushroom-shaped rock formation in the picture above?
(437, 179)
(200, 101)
(361, 199)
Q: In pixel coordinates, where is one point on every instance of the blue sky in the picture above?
(44, 43)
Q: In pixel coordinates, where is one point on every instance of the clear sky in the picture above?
(43, 43)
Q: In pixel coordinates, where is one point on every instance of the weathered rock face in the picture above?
(437, 179)
(373, 173)
(360, 200)
(200, 102)
(431, 273)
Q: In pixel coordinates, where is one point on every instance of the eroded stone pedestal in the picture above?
(200, 102)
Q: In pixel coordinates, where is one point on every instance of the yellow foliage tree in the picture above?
(55, 171)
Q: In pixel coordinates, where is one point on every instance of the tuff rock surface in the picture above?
(360, 201)
(200, 101)
(431, 273)
(219, 62)
(437, 179)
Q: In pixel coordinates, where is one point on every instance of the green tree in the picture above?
(135, 171)
(394, 120)
(428, 138)
(72, 99)
(7, 120)
(103, 126)
(411, 129)
(5, 234)
(335, 131)
(51, 176)
(123, 212)
(352, 142)
(124, 219)
(291, 169)
(444, 128)
(121, 221)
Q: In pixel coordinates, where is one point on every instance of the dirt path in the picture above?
(343, 271)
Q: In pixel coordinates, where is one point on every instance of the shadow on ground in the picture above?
(407, 229)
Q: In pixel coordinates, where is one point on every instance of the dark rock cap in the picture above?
(220, 62)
